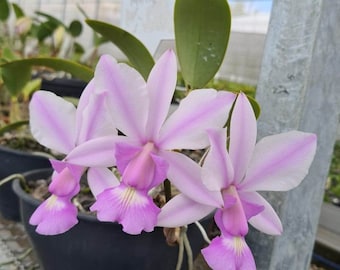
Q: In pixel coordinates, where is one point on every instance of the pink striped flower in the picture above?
(140, 110)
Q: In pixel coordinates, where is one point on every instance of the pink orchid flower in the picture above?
(278, 163)
(58, 125)
(140, 110)
(229, 253)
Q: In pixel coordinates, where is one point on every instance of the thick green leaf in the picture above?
(46, 29)
(135, 51)
(77, 70)
(202, 31)
(15, 77)
(4, 10)
(18, 11)
(75, 28)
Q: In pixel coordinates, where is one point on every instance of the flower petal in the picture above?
(132, 208)
(59, 209)
(201, 110)
(64, 184)
(232, 219)
(181, 210)
(161, 87)
(267, 220)
(243, 132)
(95, 120)
(217, 170)
(185, 174)
(100, 179)
(280, 162)
(127, 95)
(52, 121)
(229, 253)
(97, 152)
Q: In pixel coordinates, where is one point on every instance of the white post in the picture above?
(299, 89)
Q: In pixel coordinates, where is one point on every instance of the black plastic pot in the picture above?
(96, 245)
(66, 87)
(13, 161)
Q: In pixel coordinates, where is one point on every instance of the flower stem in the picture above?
(11, 178)
(167, 190)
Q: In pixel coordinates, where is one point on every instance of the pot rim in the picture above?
(21, 152)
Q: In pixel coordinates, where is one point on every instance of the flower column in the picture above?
(297, 90)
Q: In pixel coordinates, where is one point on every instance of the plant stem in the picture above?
(11, 178)
(167, 189)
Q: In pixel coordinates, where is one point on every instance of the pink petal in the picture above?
(96, 119)
(54, 209)
(64, 184)
(141, 169)
(229, 253)
(161, 86)
(217, 170)
(232, 219)
(185, 174)
(267, 220)
(84, 99)
(100, 179)
(199, 111)
(94, 153)
(280, 162)
(127, 95)
(131, 207)
(75, 170)
(243, 132)
(180, 211)
(52, 121)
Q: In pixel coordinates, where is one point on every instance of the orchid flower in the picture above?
(58, 125)
(277, 162)
(229, 253)
(140, 110)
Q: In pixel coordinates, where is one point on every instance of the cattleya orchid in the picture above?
(58, 125)
(140, 111)
(233, 176)
(123, 121)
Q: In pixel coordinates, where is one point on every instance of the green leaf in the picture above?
(4, 10)
(13, 126)
(75, 28)
(202, 31)
(30, 87)
(135, 51)
(18, 11)
(255, 105)
(51, 18)
(17, 73)
(46, 29)
(15, 77)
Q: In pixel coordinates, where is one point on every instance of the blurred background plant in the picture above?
(33, 48)
(332, 191)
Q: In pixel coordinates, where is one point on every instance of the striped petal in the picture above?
(161, 87)
(200, 110)
(243, 133)
(267, 220)
(127, 97)
(52, 121)
(180, 211)
(280, 162)
(185, 174)
(217, 170)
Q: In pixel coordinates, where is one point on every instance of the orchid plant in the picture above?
(122, 136)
